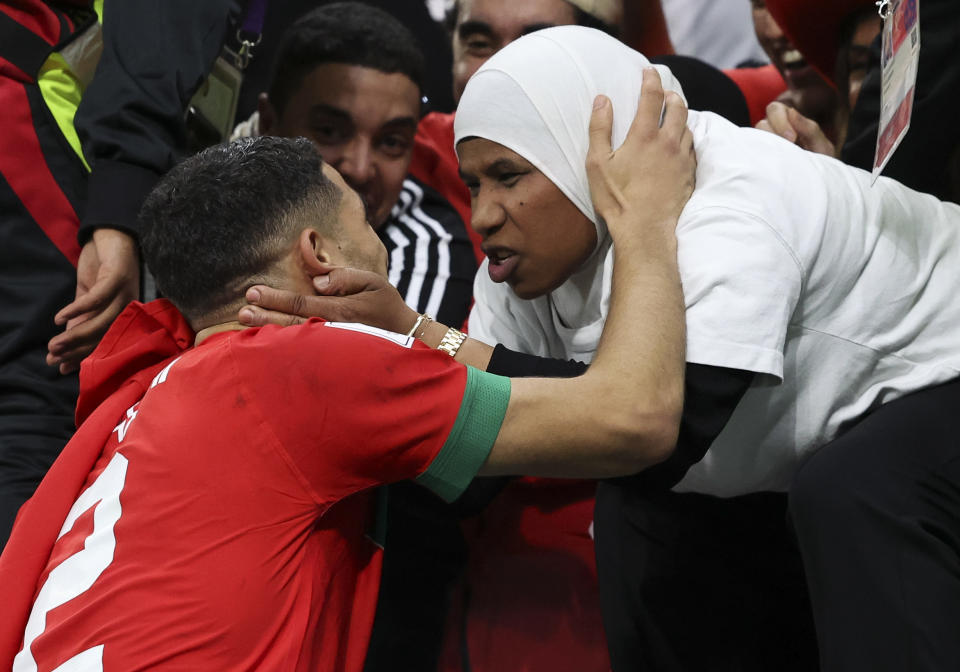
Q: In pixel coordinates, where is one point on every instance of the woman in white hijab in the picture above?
(522, 137)
(813, 281)
(550, 296)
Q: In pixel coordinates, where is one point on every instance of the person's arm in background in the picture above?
(130, 122)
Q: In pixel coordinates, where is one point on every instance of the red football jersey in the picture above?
(230, 520)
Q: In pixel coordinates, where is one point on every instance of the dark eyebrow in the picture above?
(473, 27)
(501, 166)
(534, 27)
(323, 108)
(405, 122)
(498, 167)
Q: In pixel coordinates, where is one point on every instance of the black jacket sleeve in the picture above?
(711, 393)
(130, 120)
(926, 160)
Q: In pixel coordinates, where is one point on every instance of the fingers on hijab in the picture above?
(650, 106)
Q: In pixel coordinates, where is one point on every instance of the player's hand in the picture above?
(804, 132)
(108, 278)
(343, 295)
(646, 182)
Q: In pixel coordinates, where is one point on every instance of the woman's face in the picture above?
(534, 236)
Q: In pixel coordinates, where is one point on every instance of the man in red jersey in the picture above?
(217, 508)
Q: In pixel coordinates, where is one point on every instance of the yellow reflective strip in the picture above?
(61, 92)
(98, 8)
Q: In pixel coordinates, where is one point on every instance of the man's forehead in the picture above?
(513, 16)
(349, 89)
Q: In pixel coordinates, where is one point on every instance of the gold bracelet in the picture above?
(422, 319)
(451, 342)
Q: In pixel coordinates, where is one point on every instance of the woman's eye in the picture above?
(509, 179)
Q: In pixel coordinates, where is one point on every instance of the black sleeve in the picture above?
(130, 120)
(711, 393)
(506, 362)
(928, 154)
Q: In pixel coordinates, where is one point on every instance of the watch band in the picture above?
(452, 340)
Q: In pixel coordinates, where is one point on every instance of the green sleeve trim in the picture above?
(484, 405)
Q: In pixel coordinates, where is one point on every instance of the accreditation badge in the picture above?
(899, 62)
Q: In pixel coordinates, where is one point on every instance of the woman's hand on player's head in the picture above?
(342, 295)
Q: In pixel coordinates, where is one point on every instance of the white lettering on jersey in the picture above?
(90, 660)
(162, 376)
(76, 574)
(124, 425)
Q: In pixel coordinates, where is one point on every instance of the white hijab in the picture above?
(535, 97)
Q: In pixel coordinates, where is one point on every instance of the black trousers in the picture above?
(877, 515)
(701, 584)
(36, 280)
(36, 402)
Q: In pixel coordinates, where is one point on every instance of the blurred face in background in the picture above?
(483, 27)
(855, 53)
(363, 122)
(807, 91)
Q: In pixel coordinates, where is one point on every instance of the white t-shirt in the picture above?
(842, 295)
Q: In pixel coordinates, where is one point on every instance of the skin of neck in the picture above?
(289, 273)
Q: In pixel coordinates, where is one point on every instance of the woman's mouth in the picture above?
(502, 264)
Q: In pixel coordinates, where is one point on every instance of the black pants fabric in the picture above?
(701, 584)
(877, 516)
(36, 402)
(36, 280)
(423, 555)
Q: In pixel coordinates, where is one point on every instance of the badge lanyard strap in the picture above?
(250, 32)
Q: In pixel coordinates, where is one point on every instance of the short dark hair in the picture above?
(349, 33)
(580, 18)
(226, 215)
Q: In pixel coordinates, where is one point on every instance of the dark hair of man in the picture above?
(580, 18)
(219, 221)
(349, 33)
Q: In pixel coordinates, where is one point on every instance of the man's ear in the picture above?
(268, 116)
(315, 252)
